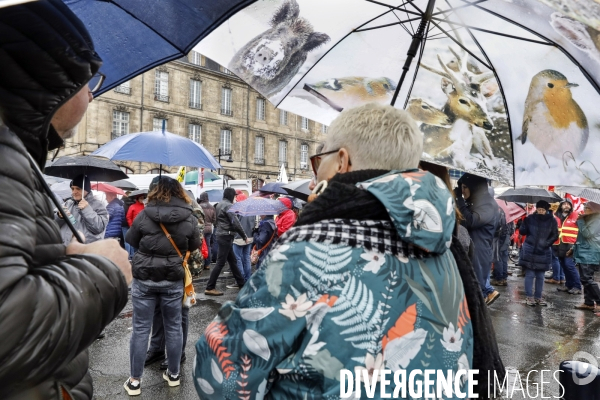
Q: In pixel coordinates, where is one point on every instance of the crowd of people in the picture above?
(387, 266)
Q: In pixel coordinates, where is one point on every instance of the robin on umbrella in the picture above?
(553, 122)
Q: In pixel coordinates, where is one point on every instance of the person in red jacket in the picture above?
(135, 209)
(286, 219)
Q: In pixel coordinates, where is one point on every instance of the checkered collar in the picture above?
(372, 235)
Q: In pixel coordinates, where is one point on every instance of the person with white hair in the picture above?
(365, 274)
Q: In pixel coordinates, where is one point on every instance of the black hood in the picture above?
(176, 210)
(47, 56)
(478, 187)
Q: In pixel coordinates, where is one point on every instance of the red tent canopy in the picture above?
(106, 188)
(511, 210)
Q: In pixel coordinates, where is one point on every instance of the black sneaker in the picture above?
(152, 357)
(562, 288)
(132, 388)
(172, 380)
(165, 364)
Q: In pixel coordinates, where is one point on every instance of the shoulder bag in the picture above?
(189, 294)
(255, 254)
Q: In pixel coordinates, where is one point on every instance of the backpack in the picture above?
(501, 226)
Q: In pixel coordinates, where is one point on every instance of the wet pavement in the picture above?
(529, 338)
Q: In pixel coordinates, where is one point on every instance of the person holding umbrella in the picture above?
(56, 299)
(89, 215)
(541, 231)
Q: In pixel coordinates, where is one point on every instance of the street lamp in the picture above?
(229, 160)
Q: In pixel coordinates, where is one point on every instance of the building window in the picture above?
(283, 152)
(127, 170)
(226, 101)
(324, 128)
(225, 141)
(161, 86)
(120, 125)
(157, 124)
(260, 109)
(124, 88)
(195, 94)
(195, 132)
(304, 123)
(283, 117)
(304, 156)
(228, 72)
(195, 58)
(259, 150)
(157, 171)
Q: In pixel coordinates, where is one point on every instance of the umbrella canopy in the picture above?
(141, 192)
(164, 148)
(298, 189)
(166, 30)
(511, 210)
(529, 195)
(273, 187)
(258, 206)
(191, 178)
(476, 64)
(215, 195)
(62, 190)
(95, 168)
(124, 184)
(106, 188)
(587, 193)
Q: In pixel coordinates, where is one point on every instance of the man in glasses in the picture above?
(364, 279)
(56, 299)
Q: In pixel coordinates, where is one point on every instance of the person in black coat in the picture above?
(264, 237)
(158, 274)
(480, 213)
(56, 299)
(541, 231)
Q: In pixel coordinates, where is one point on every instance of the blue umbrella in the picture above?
(133, 36)
(163, 148)
(274, 187)
(258, 206)
(215, 195)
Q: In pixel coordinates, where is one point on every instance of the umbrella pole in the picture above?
(414, 46)
(160, 170)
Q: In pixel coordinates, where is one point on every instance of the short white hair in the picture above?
(377, 137)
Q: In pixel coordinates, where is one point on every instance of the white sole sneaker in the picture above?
(131, 390)
(172, 383)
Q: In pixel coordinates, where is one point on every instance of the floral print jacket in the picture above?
(345, 294)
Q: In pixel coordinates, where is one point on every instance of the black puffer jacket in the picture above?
(52, 306)
(156, 258)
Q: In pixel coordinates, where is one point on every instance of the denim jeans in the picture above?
(157, 342)
(242, 254)
(530, 274)
(130, 249)
(571, 274)
(225, 254)
(500, 272)
(591, 291)
(558, 274)
(208, 237)
(144, 300)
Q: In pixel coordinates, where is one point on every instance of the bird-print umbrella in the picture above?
(505, 89)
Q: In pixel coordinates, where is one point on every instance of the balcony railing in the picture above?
(195, 105)
(123, 89)
(161, 97)
(259, 161)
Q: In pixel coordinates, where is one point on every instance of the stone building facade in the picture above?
(201, 100)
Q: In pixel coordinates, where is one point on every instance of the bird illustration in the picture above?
(553, 122)
(355, 90)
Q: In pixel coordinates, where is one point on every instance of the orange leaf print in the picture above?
(415, 176)
(215, 333)
(463, 315)
(405, 324)
(329, 300)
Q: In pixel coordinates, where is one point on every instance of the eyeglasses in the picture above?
(96, 82)
(315, 161)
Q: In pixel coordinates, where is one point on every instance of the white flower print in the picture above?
(313, 346)
(452, 340)
(295, 308)
(375, 261)
(371, 364)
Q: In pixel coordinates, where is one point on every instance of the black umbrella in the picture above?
(529, 195)
(96, 169)
(124, 184)
(273, 187)
(139, 193)
(298, 189)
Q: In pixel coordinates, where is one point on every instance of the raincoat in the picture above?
(91, 221)
(587, 247)
(343, 293)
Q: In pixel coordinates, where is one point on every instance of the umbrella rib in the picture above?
(328, 51)
(386, 25)
(493, 32)
(452, 9)
(462, 46)
(395, 8)
(402, 25)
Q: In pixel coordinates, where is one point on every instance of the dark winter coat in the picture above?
(541, 232)
(267, 229)
(480, 213)
(115, 217)
(156, 258)
(227, 223)
(210, 216)
(127, 202)
(53, 306)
